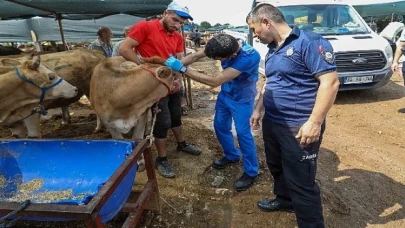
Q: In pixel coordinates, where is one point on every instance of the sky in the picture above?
(219, 11)
(234, 11)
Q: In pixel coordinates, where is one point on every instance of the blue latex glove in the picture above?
(174, 63)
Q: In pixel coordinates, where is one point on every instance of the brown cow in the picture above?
(22, 88)
(121, 93)
(76, 67)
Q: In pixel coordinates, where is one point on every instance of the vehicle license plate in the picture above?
(358, 80)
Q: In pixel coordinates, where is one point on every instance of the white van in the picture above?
(363, 58)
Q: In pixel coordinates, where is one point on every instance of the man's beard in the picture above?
(166, 26)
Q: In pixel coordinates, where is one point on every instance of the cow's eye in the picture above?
(52, 77)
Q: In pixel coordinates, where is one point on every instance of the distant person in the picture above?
(400, 51)
(192, 35)
(103, 42)
(197, 39)
(116, 47)
(235, 102)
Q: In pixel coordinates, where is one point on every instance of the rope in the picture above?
(150, 136)
(3, 221)
(38, 109)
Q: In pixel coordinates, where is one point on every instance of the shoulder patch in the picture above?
(327, 55)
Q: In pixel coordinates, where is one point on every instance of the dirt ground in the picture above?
(361, 168)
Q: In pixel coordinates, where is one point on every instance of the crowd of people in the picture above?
(300, 89)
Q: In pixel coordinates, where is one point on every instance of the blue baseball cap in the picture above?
(180, 10)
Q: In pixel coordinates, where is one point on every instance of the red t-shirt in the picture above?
(154, 40)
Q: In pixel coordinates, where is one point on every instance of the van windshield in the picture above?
(325, 19)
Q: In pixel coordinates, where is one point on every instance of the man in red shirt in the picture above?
(160, 38)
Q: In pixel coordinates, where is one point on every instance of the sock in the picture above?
(161, 158)
(182, 144)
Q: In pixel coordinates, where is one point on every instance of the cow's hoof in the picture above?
(96, 131)
(12, 137)
(33, 137)
(141, 165)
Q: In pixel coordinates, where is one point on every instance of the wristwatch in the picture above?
(183, 69)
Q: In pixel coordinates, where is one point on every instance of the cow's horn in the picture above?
(37, 61)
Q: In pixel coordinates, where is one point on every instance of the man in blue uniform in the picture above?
(235, 101)
(300, 89)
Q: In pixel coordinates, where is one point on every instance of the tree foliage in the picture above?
(205, 25)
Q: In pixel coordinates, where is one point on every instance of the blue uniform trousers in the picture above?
(293, 168)
(240, 111)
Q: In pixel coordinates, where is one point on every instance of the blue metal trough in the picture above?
(97, 174)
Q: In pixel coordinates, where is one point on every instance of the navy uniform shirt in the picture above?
(243, 87)
(291, 72)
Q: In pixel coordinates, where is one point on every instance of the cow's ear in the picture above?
(9, 62)
(163, 72)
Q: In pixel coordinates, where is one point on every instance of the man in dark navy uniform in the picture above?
(300, 89)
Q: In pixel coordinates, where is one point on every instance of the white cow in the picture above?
(26, 84)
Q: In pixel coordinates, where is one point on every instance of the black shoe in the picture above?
(190, 149)
(402, 110)
(276, 204)
(244, 182)
(164, 168)
(223, 162)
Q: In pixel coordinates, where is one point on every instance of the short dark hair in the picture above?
(221, 46)
(266, 10)
(102, 30)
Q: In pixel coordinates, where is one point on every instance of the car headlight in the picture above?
(388, 52)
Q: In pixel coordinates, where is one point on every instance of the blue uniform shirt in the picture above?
(243, 87)
(291, 72)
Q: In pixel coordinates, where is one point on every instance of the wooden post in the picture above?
(59, 18)
(187, 86)
(65, 109)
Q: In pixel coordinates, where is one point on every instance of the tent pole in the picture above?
(187, 86)
(59, 18)
(65, 109)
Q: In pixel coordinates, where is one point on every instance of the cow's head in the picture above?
(164, 73)
(34, 72)
(159, 63)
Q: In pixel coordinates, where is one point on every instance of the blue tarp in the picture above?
(47, 29)
(80, 9)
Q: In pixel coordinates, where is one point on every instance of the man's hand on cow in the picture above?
(174, 63)
(176, 86)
